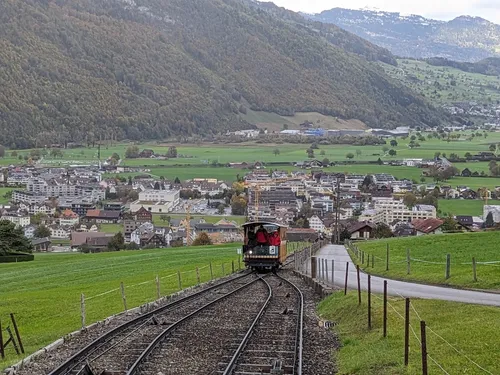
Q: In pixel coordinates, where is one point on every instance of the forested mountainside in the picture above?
(464, 38)
(149, 69)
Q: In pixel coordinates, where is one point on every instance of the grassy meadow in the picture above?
(196, 161)
(45, 294)
(428, 259)
(468, 328)
(471, 207)
(445, 84)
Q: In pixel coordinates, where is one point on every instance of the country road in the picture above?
(339, 254)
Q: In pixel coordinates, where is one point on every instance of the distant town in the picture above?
(77, 208)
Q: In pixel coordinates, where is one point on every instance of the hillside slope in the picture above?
(80, 69)
(462, 39)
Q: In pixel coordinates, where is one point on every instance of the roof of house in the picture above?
(465, 220)
(427, 225)
(360, 225)
(79, 238)
(69, 214)
(39, 241)
(98, 241)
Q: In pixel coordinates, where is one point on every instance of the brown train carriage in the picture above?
(260, 255)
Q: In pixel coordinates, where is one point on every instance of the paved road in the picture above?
(341, 257)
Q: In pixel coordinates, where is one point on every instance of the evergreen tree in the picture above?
(489, 222)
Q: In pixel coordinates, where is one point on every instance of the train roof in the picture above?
(255, 223)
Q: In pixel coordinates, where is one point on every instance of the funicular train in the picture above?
(264, 246)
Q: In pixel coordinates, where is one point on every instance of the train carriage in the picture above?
(264, 246)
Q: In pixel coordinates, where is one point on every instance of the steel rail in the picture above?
(298, 336)
(157, 341)
(80, 357)
(243, 343)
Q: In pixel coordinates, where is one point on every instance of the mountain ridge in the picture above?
(149, 69)
(463, 39)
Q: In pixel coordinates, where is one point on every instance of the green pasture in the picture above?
(428, 259)
(473, 207)
(45, 294)
(206, 154)
(157, 220)
(468, 328)
(3, 191)
(445, 84)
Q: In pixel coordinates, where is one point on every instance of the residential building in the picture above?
(41, 244)
(361, 230)
(428, 226)
(68, 218)
(80, 238)
(60, 232)
(20, 219)
(317, 224)
(103, 217)
(27, 197)
(166, 196)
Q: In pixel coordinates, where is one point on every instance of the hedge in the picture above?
(16, 257)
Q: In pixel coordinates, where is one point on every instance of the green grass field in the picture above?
(3, 191)
(45, 294)
(468, 328)
(445, 84)
(209, 219)
(428, 254)
(463, 206)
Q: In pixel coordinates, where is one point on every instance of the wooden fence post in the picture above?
(158, 290)
(314, 263)
(124, 297)
(198, 275)
(2, 351)
(407, 330)
(448, 266)
(179, 280)
(362, 257)
(359, 285)
(474, 274)
(211, 272)
(346, 275)
(423, 340)
(326, 269)
(408, 261)
(232, 266)
(385, 308)
(239, 263)
(387, 258)
(333, 272)
(82, 310)
(373, 260)
(16, 330)
(369, 302)
(223, 271)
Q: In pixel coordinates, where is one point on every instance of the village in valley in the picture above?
(108, 204)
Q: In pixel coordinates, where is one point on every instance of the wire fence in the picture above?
(76, 312)
(477, 269)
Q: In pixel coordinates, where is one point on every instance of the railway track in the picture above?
(117, 350)
(273, 344)
(248, 325)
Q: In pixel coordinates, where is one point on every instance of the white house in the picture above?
(60, 232)
(19, 219)
(68, 218)
(316, 223)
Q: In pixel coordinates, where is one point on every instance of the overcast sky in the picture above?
(438, 9)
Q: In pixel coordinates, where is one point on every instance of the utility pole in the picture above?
(337, 212)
